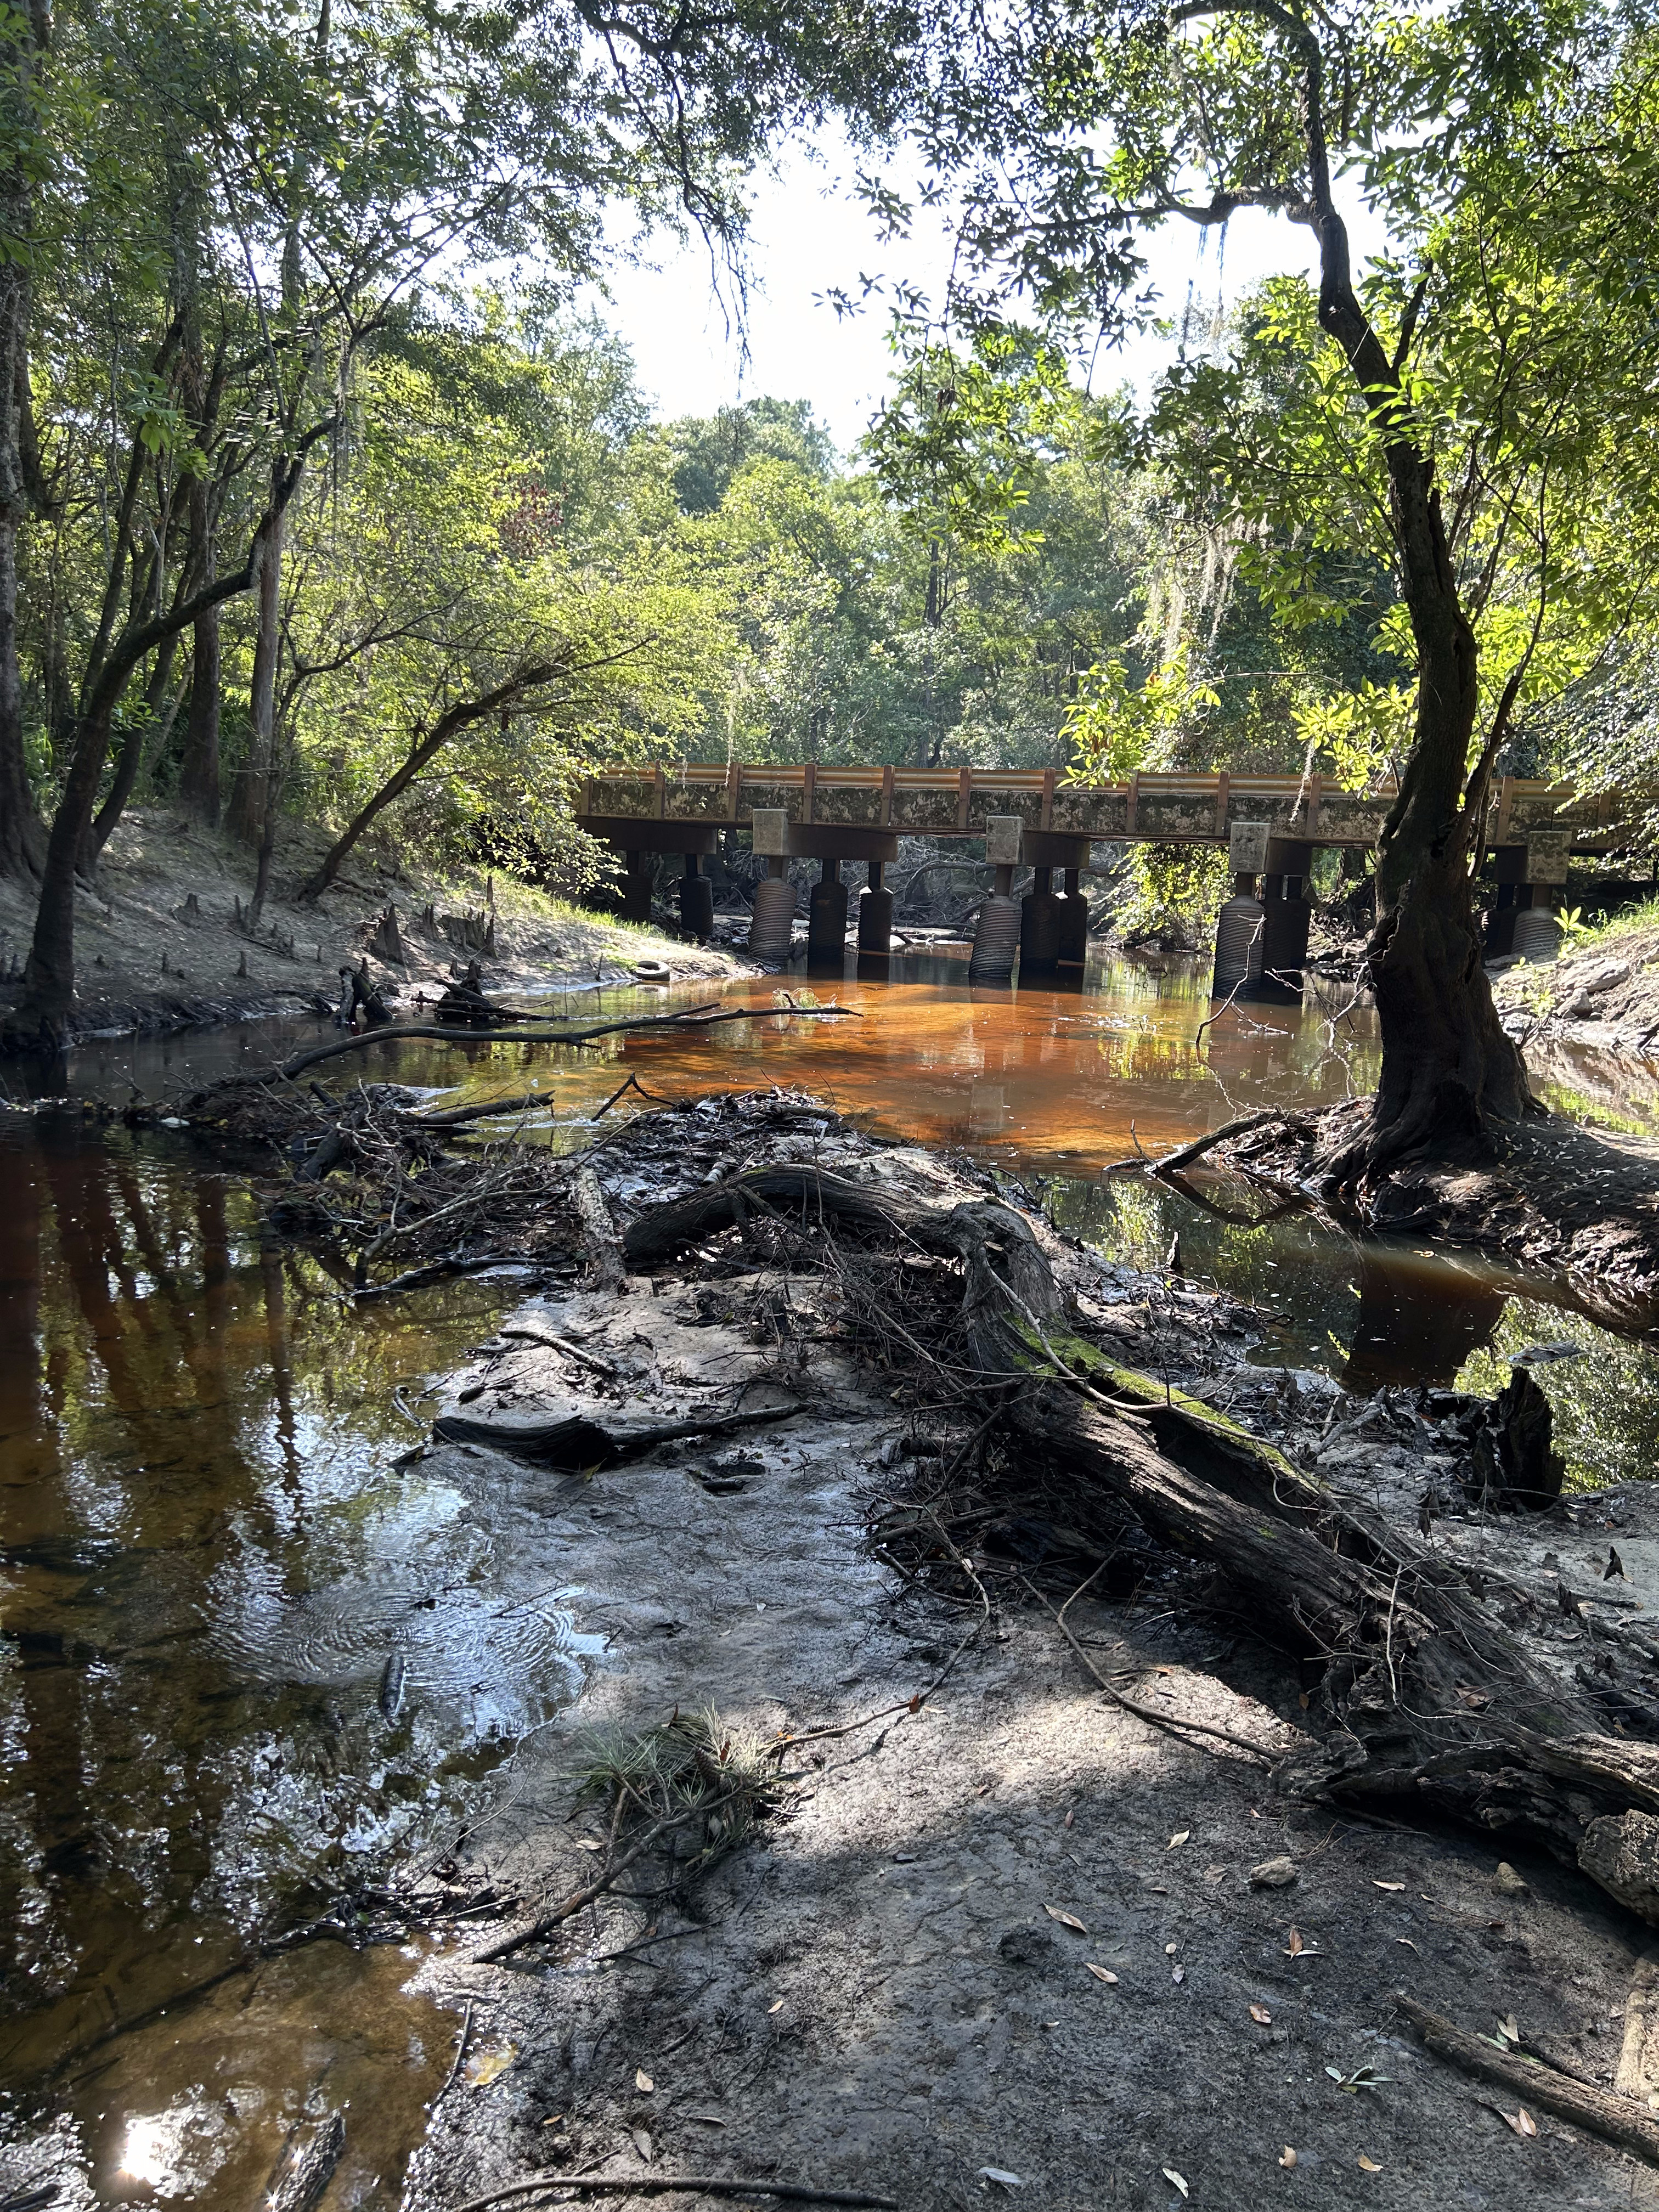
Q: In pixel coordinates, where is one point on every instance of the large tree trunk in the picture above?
(253, 791)
(198, 770)
(1447, 1068)
(129, 760)
(48, 998)
(22, 832)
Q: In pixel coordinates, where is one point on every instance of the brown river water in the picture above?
(212, 1551)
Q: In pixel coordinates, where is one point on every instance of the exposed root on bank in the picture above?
(1577, 1204)
(391, 1192)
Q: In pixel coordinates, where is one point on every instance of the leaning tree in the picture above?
(1457, 405)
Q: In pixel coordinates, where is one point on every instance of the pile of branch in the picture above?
(393, 1191)
(1435, 1684)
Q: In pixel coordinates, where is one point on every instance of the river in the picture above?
(217, 1543)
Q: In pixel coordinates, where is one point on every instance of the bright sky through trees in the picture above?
(812, 234)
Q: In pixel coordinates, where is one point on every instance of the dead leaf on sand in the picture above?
(1101, 1973)
(1170, 2174)
(1065, 1919)
(643, 2081)
(1296, 1947)
(642, 2143)
(1179, 1837)
(1001, 2176)
(1375, 1884)
(489, 2066)
(1262, 2016)
(1287, 2157)
(1522, 2120)
(1368, 2165)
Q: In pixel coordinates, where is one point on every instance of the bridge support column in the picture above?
(1243, 920)
(876, 915)
(1074, 922)
(773, 928)
(1513, 897)
(1288, 913)
(636, 888)
(996, 936)
(826, 919)
(996, 933)
(1537, 932)
(1521, 918)
(1039, 927)
(696, 900)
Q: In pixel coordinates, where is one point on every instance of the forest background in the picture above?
(318, 501)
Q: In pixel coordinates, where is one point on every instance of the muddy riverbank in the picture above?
(223, 1527)
(164, 939)
(1007, 1931)
(1578, 1204)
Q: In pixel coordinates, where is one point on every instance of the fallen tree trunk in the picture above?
(1425, 1693)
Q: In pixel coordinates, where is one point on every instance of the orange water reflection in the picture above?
(1066, 1078)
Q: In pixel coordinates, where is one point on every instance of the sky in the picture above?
(810, 235)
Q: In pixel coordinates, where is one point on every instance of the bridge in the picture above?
(1043, 820)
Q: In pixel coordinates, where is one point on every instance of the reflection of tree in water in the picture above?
(170, 1467)
(1418, 1321)
(1606, 1400)
(125, 1786)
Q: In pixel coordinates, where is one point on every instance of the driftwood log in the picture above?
(1424, 1694)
